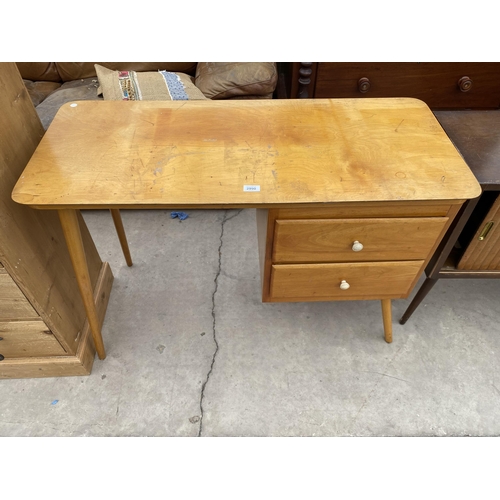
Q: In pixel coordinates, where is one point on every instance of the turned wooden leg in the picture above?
(305, 72)
(422, 292)
(387, 317)
(71, 229)
(117, 219)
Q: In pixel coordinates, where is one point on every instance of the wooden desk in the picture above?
(353, 196)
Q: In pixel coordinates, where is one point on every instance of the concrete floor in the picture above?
(192, 350)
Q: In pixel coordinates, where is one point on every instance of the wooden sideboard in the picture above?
(445, 85)
(43, 330)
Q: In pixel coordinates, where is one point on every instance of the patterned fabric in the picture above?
(132, 92)
(145, 86)
(174, 86)
(129, 85)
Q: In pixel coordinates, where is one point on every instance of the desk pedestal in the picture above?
(365, 251)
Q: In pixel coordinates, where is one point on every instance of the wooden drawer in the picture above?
(367, 280)
(21, 339)
(437, 84)
(331, 240)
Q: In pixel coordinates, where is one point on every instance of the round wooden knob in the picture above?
(364, 85)
(357, 246)
(465, 84)
(344, 285)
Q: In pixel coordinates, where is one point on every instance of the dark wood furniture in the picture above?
(471, 248)
(454, 85)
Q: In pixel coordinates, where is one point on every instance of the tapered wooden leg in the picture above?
(387, 317)
(117, 219)
(422, 292)
(71, 229)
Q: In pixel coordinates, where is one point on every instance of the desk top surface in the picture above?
(260, 153)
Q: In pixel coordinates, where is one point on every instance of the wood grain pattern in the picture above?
(331, 240)
(13, 304)
(70, 365)
(42, 366)
(202, 153)
(71, 230)
(368, 281)
(348, 154)
(364, 210)
(32, 246)
(484, 254)
(22, 339)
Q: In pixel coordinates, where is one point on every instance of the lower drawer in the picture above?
(365, 280)
(21, 339)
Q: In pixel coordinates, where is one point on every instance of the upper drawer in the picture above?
(332, 240)
(439, 85)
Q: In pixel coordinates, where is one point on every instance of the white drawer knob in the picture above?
(344, 285)
(357, 246)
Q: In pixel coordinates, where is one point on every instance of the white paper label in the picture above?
(251, 188)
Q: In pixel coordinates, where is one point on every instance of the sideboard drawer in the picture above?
(354, 240)
(365, 280)
(439, 85)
